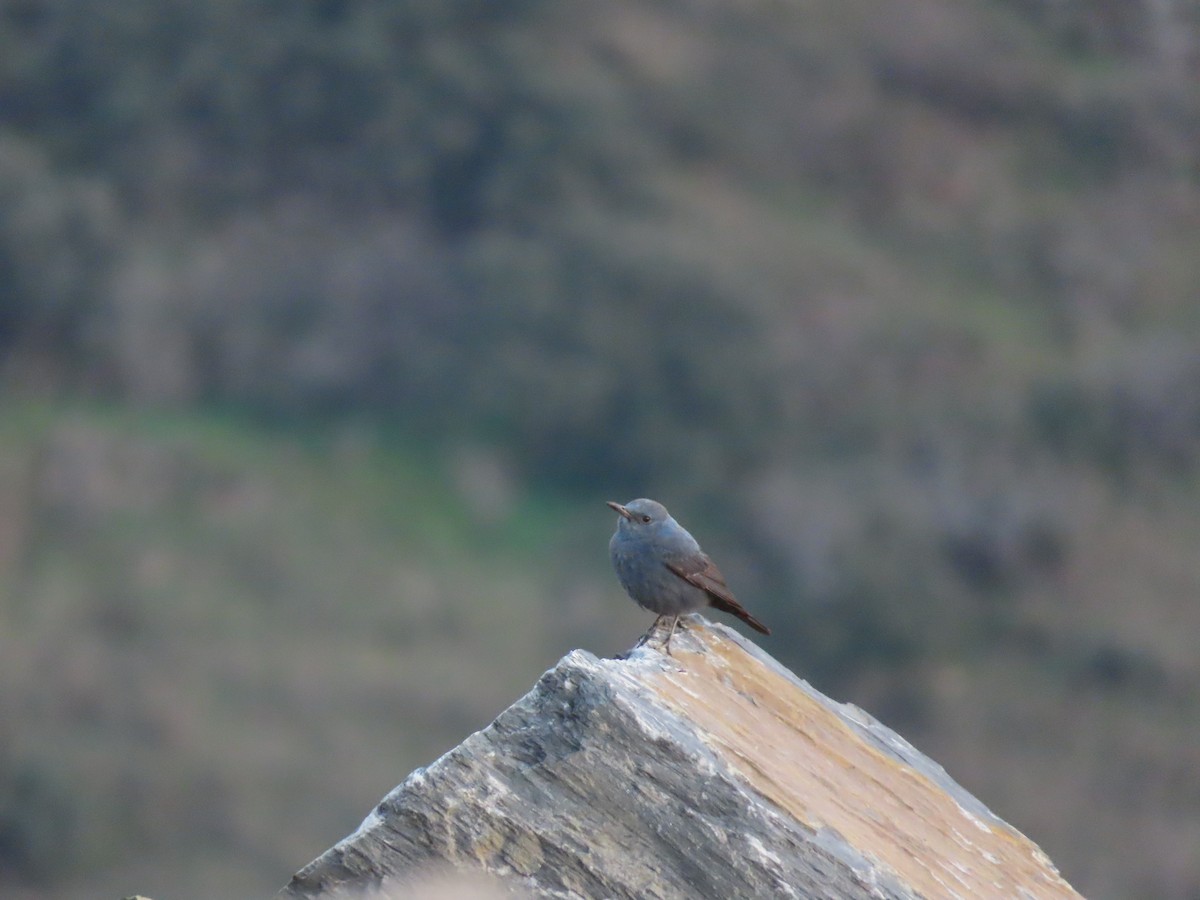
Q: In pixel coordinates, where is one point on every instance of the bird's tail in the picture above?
(731, 606)
(706, 576)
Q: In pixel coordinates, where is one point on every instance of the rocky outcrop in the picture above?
(714, 772)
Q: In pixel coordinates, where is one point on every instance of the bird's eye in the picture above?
(646, 519)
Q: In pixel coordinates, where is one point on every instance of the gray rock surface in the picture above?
(713, 773)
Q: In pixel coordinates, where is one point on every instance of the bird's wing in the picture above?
(700, 571)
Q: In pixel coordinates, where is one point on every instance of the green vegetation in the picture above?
(211, 625)
(326, 328)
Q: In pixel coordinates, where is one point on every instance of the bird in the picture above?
(663, 569)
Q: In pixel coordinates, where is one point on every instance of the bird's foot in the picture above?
(653, 630)
(649, 633)
(670, 634)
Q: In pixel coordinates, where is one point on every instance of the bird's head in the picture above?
(640, 515)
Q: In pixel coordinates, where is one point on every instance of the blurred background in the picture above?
(327, 328)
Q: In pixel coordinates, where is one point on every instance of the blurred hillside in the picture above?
(327, 328)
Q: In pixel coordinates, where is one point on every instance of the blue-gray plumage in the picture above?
(664, 570)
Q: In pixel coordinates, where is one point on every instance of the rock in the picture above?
(712, 773)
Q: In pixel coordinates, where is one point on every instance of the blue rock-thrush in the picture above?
(664, 570)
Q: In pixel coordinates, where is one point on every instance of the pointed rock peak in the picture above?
(714, 772)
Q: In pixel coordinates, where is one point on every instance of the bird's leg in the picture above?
(670, 634)
(649, 631)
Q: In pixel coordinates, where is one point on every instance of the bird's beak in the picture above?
(620, 509)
